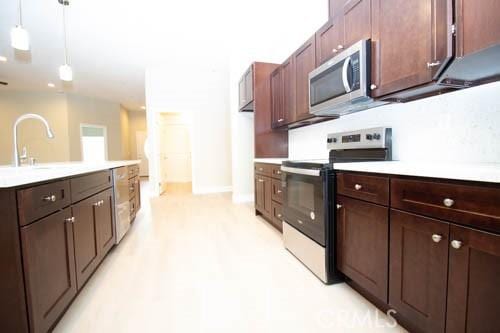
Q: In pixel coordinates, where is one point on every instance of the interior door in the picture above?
(175, 150)
(141, 137)
(473, 292)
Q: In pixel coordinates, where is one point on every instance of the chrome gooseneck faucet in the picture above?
(50, 134)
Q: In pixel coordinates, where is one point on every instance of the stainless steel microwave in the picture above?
(341, 85)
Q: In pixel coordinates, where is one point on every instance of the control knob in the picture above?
(369, 137)
(376, 136)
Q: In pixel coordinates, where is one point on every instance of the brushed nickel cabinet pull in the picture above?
(448, 202)
(437, 238)
(456, 244)
(358, 187)
(50, 198)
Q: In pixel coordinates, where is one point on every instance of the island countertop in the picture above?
(25, 175)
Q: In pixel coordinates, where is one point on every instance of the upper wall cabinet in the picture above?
(283, 94)
(328, 38)
(478, 25)
(356, 19)
(246, 91)
(305, 62)
(410, 43)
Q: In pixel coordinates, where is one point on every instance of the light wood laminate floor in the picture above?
(202, 264)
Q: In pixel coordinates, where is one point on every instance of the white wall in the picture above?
(462, 126)
(276, 36)
(199, 90)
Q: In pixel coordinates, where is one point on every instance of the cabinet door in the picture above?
(49, 267)
(473, 292)
(276, 97)
(419, 29)
(328, 38)
(104, 223)
(305, 62)
(363, 244)
(263, 193)
(86, 239)
(478, 25)
(357, 21)
(418, 270)
(138, 193)
(287, 115)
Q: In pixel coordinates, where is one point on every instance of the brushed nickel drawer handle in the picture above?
(448, 202)
(50, 198)
(70, 220)
(456, 244)
(260, 169)
(358, 187)
(437, 238)
(280, 120)
(278, 172)
(339, 206)
(279, 216)
(279, 192)
(261, 180)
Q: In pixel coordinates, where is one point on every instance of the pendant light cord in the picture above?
(20, 13)
(65, 37)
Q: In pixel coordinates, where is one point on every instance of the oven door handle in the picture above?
(307, 172)
(345, 68)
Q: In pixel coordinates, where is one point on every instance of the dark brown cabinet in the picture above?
(410, 43)
(263, 195)
(478, 25)
(246, 91)
(104, 223)
(419, 270)
(86, 239)
(283, 94)
(362, 244)
(277, 98)
(305, 62)
(328, 38)
(268, 142)
(356, 20)
(474, 271)
(49, 267)
(268, 193)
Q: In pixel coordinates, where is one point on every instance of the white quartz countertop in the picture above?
(13, 177)
(270, 160)
(480, 172)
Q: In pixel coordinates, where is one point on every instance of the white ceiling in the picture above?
(112, 42)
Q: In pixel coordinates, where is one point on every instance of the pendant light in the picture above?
(65, 71)
(19, 37)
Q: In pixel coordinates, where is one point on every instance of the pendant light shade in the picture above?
(65, 71)
(19, 37)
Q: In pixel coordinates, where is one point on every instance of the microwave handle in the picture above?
(345, 68)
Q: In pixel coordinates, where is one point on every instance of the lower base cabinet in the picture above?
(268, 193)
(263, 193)
(362, 244)
(473, 281)
(418, 270)
(49, 267)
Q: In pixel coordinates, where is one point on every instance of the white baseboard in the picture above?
(243, 198)
(210, 190)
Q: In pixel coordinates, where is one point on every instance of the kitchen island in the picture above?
(58, 224)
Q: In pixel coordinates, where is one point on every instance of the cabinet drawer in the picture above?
(460, 203)
(40, 201)
(263, 169)
(276, 171)
(133, 171)
(277, 217)
(88, 185)
(369, 188)
(277, 191)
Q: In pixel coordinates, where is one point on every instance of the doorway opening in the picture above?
(94, 142)
(175, 152)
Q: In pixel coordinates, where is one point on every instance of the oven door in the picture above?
(303, 201)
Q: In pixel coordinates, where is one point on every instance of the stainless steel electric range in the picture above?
(309, 194)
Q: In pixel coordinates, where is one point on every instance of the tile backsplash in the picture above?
(462, 126)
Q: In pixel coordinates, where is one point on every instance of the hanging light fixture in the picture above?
(19, 37)
(65, 71)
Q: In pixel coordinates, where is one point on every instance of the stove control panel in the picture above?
(379, 137)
